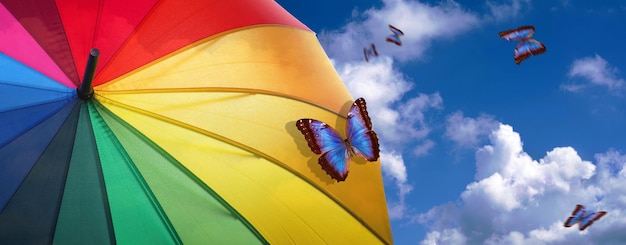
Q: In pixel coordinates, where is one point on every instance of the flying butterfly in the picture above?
(527, 44)
(395, 37)
(336, 151)
(584, 218)
(370, 53)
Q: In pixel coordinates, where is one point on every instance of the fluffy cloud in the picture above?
(423, 149)
(397, 121)
(420, 22)
(596, 71)
(467, 131)
(383, 87)
(394, 167)
(447, 236)
(508, 10)
(518, 200)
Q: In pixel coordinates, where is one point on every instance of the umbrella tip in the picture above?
(94, 52)
(85, 90)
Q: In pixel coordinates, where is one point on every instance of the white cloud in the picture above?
(597, 71)
(555, 233)
(383, 88)
(467, 131)
(396, 122)
(572, 87)
(508, 10)
(514, 198)
(393, 167)
(400, 122)
(423, 149)
(447, 236)
(518, 200)
(563, 4)
(420, 22)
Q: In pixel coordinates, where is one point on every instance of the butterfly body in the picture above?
(527, 45)
(335, 150)
(583, 218)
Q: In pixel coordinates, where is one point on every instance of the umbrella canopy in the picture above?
(189, 135)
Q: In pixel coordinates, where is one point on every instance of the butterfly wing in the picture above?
(518, 34)
(576, 216)
(589, 219)
(394, 39)
(527, 47)
(336, 162)
(362, 139)
(396, 31)
(323, 139)
(370, 52)
(580, 215)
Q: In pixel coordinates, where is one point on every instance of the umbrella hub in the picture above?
(85, 90)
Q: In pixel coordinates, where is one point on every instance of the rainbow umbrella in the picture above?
(172, 121)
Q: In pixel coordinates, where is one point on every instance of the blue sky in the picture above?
(476, 149)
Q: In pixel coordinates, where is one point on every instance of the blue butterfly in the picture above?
(337, 151)
(584, 218)
(369, 53)
(527, 44)
(395, 37)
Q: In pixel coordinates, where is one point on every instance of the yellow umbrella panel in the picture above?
(225, 108)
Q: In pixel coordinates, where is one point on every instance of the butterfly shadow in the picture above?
(304, 150)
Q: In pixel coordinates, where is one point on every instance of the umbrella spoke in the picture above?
(234, 90)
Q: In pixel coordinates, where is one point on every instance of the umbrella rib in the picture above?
(34, 123)
(184, 125)
(192, 44)
(33, 87)
(221, 89)
(101, 97)
(123, 44)
(41, 102)
(67, 44)
(97, 25)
